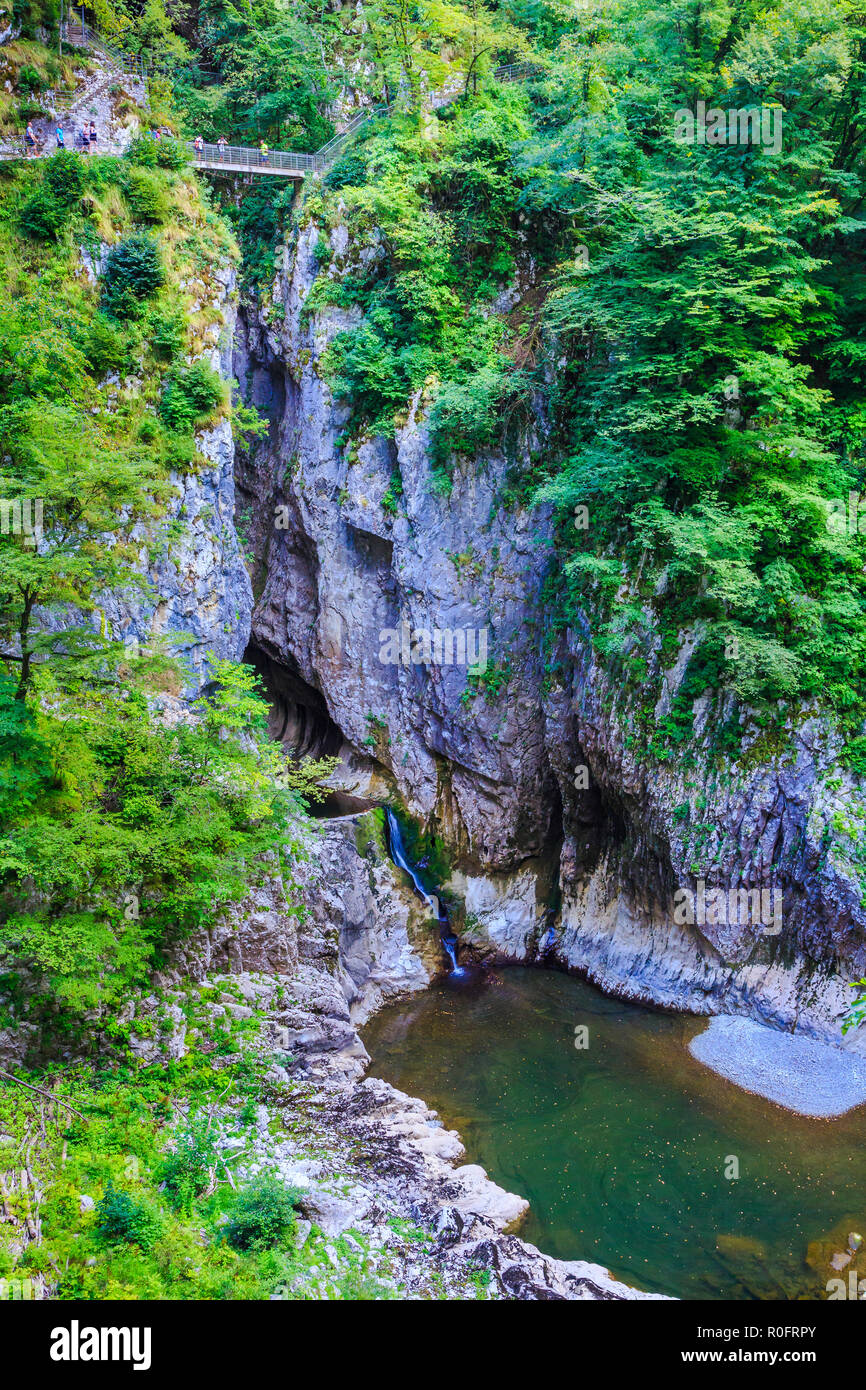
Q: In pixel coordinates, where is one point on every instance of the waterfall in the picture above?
(437, 907)
(399, 855)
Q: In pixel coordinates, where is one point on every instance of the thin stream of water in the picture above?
(436, 905)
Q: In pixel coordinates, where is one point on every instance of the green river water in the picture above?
(622, 1148)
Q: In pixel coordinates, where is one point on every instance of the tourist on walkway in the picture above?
(264, 152)
(30, 137)
(198, 146)
(93, 133)
(221, 146)
(60, 141)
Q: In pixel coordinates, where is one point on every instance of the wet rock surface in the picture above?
(374, 1166)
(353, 540)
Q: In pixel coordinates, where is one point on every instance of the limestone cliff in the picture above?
(352, 540)
(199, 599)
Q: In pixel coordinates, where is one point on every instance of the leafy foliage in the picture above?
(93, 462)
(185, 1170)
(701, 410)
(125, 1220)
(137, 833)
(46, 212)
(442, 220)
(263, 1216)
(119, 833)
(191, 394)
(146, 196)
(132, 274)
(149, 153)
(262, 75)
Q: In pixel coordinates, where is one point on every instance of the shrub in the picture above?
(65, 177)
(853, 755)
(167, 333)
(146, 196)
(264, 1215)
(190, 395)
(148, 430)
(391, 499)
(106, 348)
(29, 80)
(123, 1220)
(143, 151)
(467, 416)
(158, 154)
(132, 273)
(186, 1171)
(172, 154)
(42, 216)
(46, 210)
(30, 110)
(349, 169)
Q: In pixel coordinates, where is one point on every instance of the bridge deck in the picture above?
(238, 159)
(235, 161)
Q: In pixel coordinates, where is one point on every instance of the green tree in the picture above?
(132, 833)
(701, 408)
(68, 483)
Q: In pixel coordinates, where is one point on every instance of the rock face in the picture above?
(354, 938)
(201, 596)
(790, 820)
(350, 549)
(352, 542)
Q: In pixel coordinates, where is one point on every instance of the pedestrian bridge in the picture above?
(245, 159)
(230, 159)
(241, 159)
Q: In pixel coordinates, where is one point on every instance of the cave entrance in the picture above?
(298, 717)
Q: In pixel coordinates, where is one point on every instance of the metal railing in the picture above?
(129, 64)
(334, 148)
(19, 149)
(517, 72)
(232, 157)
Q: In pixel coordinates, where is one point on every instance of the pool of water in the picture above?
(623, 1147)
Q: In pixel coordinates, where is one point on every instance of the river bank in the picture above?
(379, 1167)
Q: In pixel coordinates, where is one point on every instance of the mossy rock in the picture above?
(370, 830)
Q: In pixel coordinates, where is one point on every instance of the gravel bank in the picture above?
(810, 1077)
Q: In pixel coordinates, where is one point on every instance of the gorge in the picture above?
(432, 710)
(538, 793)
(541, 868)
